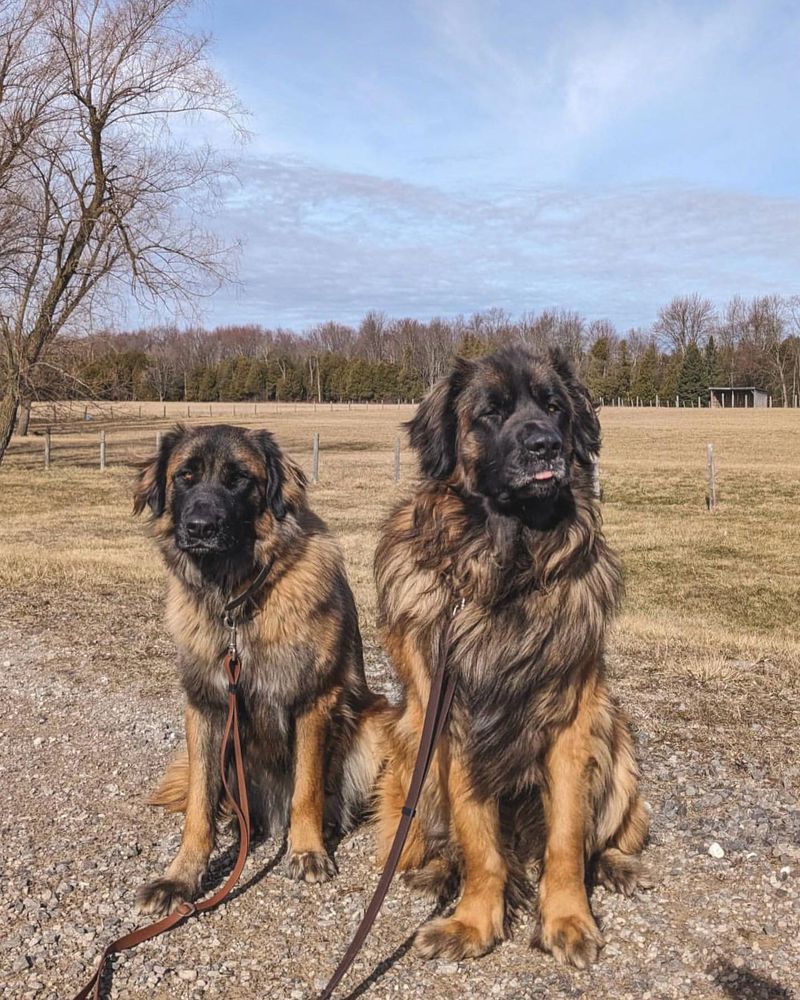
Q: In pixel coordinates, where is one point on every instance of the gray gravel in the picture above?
(81, 744)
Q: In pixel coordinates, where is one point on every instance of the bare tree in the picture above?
(98, 197)
(688, 319)
(334, 337)
(768, 319)
(372, 333)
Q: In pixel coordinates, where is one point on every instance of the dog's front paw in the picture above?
(573, 939)
(311, 866)
(162, 896)
(453, 939)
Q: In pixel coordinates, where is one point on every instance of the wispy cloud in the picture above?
(554, 84)
(437, 156)
(331, 244)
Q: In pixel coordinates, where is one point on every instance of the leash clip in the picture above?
(229, 622)
(459, 606)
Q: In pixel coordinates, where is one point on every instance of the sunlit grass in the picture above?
(702, 588)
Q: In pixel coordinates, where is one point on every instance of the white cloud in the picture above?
(323, 244)
(550, 85)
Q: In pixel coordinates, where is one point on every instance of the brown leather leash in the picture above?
(437, 711)
(233, 668)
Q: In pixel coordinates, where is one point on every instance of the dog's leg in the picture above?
(477, 923)
(402, 738)
(567, 927)
(308, 859)
(622, 819)
(182, 879)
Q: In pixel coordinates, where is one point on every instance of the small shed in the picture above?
(740, 395)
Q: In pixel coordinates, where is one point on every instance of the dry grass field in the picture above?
(703, 590)
(706, 656)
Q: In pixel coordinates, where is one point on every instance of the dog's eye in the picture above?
(489, 413)
(553, 407)
(185, 475)
(237, 478)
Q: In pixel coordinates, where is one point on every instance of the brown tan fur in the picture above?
(310, 725)
(537, 764)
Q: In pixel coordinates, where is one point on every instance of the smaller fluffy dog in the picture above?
(537, 762)
(224, 501)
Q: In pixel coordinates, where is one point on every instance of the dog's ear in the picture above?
(151, 480)
(433, 430)
(585, 425)
(285, 482)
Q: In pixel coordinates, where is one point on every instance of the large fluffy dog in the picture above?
(538, 762)
(224, 501)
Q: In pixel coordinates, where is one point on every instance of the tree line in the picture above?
(688, 348)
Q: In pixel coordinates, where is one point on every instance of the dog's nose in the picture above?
(200, 529)
(543, 444)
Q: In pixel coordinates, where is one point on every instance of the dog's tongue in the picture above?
(544, 474)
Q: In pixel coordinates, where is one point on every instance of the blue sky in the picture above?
(431, 158)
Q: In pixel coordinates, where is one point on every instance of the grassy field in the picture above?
(714, 598)
(702, 588)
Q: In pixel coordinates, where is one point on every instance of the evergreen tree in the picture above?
(644, 383)
(239, 377)
(597, 371)
(618, 382)
(472, 346)
(255, 383)
(713, 366)
(693, 377)
(207, 389)
(193, 382)
(225, 380)
(669, 375)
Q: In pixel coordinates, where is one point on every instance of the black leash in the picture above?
(436, 713)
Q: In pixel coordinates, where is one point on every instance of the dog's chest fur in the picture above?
(277, 669)
(526, 635)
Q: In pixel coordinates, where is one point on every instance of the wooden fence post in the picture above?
(102, 450)
(397, 459)
(165, 411)
(47, 448)
(315, 458)
(711, 496)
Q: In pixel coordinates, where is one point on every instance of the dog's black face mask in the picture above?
(213, 505)
(522, 434)
(509, 428)
(215, 483)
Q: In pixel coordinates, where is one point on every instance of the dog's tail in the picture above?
(173, 790)
(363, 763)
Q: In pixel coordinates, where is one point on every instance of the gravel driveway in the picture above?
(82, 740)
